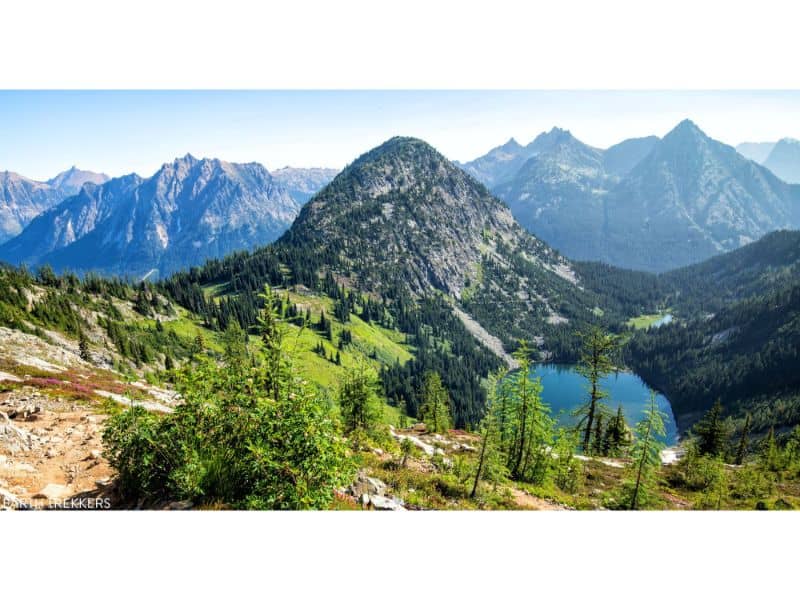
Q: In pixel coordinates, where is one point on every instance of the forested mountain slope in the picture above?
(735, 337)
(405, 237)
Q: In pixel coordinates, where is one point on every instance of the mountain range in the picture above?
(648, 203)
(403, 221)
(190, 210)
(784, 160)
(437, 257)
(781, 157)
(303, 183)
(22, 199)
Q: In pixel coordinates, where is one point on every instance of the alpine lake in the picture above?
(565, 390)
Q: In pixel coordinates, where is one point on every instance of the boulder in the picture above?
(386, 503)
(367, 485)
(53, 491)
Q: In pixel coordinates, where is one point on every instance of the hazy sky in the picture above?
(42, 133)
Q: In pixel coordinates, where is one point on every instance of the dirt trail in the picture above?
(528, 502)
(60, 457)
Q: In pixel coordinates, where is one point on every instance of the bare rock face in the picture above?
(784, 160)
(301, 183)
(402, 220)
(190, 210)
(403, 214)
(22, 199)
(648, 203)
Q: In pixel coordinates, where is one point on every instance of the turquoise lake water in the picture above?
(565, 390)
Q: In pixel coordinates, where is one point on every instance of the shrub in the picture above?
(251, 436)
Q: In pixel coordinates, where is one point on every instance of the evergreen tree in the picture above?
(234, 341)
(199, 345)
(83, 347)
(168, 363)
(491, 462)
(566, 468)
(435, 409)
(141, 304)
(407, 450)
(599, 447)
(616, 435)
(770, 454)
(530, 425)
(645, 455)
(716, 490)
(744, 441)
(712, 432)
(359, 404)
(596, 362)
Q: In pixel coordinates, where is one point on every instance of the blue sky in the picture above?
(117, 132)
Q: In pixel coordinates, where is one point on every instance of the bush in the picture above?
(247, 435)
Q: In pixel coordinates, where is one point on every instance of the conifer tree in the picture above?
(199, 345)
(744, 441)
(490, 459)
(234, 341)
(770, 455)
(83, 347)
(716, 490)
(566, 467)
(358, 399)
(529, 422)
(645, 454)
(712, 432)
(599, 439)
(596, 362)
(435, 408)
(616, 435)
(407, 449)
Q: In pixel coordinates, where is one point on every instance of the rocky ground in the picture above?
(52, 408)
(50, 452)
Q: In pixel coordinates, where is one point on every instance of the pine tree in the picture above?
(645, 454)
(596, 362)
(566, 467)
(199, 345)
(529, 422)
(168, 364)
(435, 409)
(83, 347)
(770, 455)
(616, 435)
(234, 341)
(716, 490)
(407, 449)
(359, 404)
(712, 432)
(599, 440)
(490, 460)
(744, 441)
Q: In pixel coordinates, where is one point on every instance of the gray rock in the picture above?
(54, 491)
(386, 503)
